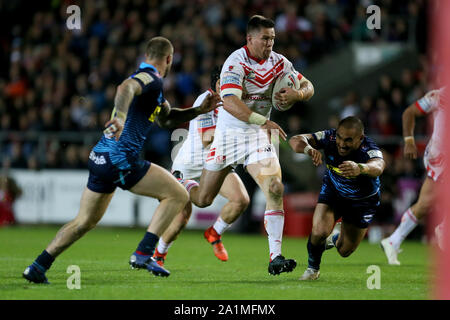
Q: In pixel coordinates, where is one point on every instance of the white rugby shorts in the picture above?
(433, 164)
(232, 147)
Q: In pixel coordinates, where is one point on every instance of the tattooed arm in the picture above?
(126, 91)
(171, 117)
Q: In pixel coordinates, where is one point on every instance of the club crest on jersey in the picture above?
(230, 68)
(251, 75)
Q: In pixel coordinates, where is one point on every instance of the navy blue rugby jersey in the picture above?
(358, 187)
(140, 118)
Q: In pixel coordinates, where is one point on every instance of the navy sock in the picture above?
(45, 260)
(148, 244)
(314, 254)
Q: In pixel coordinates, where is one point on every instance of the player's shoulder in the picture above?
(326, 136)
(239, 55)
(146, 74)
(369, 147)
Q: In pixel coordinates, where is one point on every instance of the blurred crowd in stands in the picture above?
(57, 80)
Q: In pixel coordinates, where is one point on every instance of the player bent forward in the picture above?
(350, 189)
(114, 161)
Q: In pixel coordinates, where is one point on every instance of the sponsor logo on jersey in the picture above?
(231, 78)
(320, 135)
(206, 122)
(144, 77)
(375, 154)
(337, 171)
(256, 97)
(99, 160)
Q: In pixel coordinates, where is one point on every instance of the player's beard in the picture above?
(266, 53)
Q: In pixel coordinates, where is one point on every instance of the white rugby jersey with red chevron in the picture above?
(251, 80)
(433, 158)
(192, 154)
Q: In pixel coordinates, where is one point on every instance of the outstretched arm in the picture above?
(171, 117)
(373, 168)
(305, 143)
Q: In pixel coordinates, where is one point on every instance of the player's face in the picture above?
(348, 140)
(262, 42)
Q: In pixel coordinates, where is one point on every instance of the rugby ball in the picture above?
(287, 79)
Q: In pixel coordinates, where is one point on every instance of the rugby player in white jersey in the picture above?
(430, 104)
(243, 131)
(188, 164)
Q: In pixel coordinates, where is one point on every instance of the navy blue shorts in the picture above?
(356, 212)
(104, 177)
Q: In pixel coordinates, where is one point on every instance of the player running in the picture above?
(350, 188)
(114, 162)
(241, 137)
(188, 164)
(433, 160)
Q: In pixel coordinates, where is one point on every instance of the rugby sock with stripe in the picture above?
(273, 223)
(147, 244)
(314, 254)
(45, 260)
(221, 226)
(408, 223)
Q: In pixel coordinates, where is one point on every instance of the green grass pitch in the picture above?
(196, 274)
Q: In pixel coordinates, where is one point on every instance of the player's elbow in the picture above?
(311, 91)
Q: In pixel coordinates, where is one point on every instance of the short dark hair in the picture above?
(158, 48)
(215, 75)
(257, 22)
(352, 122)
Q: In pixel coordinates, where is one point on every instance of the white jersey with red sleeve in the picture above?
(251, 80)
(190, 157)
(433, 158)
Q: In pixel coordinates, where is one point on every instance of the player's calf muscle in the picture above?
(276, 188)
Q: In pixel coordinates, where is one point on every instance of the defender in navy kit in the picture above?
(350, 188)
(115, 162)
